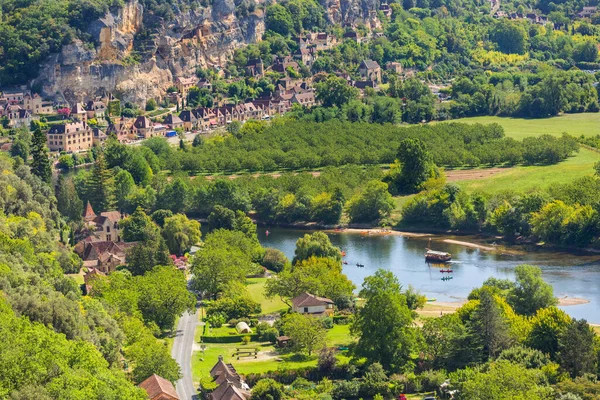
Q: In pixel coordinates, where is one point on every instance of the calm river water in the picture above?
(573, 275)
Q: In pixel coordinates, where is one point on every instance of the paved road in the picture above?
(182, 353)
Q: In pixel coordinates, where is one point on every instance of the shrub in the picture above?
(327, 322)
(216, 320)
(274, 259)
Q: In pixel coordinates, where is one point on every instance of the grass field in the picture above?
(587, 124)
(527, 178)
(202, 362)
(256, 288)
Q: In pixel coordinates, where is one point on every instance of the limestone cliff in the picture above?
(138, 62)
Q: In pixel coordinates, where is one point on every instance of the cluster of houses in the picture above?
(531, 17)
(100, 246)
(20, 106)
(587, 12)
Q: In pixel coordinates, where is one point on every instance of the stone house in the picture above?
(104, 227)
(78, 112)
(370, 70)
(173, 121)
(95, 109)
(231, 385)
(70, 137)
(183, 85)
(255, 68)
(143, 127)
(189, 120)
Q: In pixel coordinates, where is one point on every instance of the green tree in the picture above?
(547, 327)
(267, 389)
(383, 323)
(577, 353)
(503, 380)
(124, 186)
(40, 164)
(151, 105)
(510, 37)
(225, 257)
(335, 91)
(490, 324)
(100, 186)
(147, 254)
(321, 276)
(274, 259)
(530, 293)
(279, 20)
(138, 227)
(585, 51)
(305, 332)
(416, 166)
(372, 204)
(180, 233)
(315, 245)
(67, 200)
(163, 296)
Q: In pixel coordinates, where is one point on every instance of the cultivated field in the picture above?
(587, 124)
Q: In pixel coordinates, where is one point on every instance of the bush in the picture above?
(216, 320)
(233, 308)
(266, 333)
(431, 380)
(327, 322)
(274, 259)
(346, 389)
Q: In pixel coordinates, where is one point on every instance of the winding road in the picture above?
(183, 346)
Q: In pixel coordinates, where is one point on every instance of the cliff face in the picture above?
(129, 61)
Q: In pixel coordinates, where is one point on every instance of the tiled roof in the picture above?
(310, 300)
(156, 385)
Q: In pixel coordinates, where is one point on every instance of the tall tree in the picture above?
(316, 244)
(413, 167)
(530, 293)
(577, 353)
(180, 233)
(100, 186)
(67, 200)
(40, 164)
(490, 324)
(306, 332)
(163, 296)
(383, 323)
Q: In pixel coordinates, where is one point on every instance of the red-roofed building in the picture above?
(159, 388)
(308, 303)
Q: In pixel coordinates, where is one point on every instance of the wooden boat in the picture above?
(360, 265)
(448, 271)
(446, 278)
(437, 256)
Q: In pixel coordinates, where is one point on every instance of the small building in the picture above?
(306, 99)
(70, 137)
(255, 67)
(104, 227)
(394, 66)
(144, 127)
(385, 9)
(370, 70)
(307, 303)
(587, 12)
(173, 121)
(78, 112)
(18, 117)
(351, 35)
(183, 85)
(95, 109)
(159, 388)
(105, 256)
(281, 64)
(189, 120)
(282, 341)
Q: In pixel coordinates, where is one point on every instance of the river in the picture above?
(571, 274)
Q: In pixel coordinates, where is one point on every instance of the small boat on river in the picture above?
(360, 265)
(437, 256)
(448, 271)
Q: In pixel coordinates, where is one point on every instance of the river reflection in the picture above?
(573, 275)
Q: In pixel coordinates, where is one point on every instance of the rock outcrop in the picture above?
(138, 65)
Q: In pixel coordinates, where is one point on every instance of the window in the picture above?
(108, 229)
(108, 238)
(305, 309)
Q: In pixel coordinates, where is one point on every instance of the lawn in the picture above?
(527, 178)
(256, 288)
(587, 124)
(202, 362)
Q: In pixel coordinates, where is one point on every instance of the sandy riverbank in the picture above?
(571, 301)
